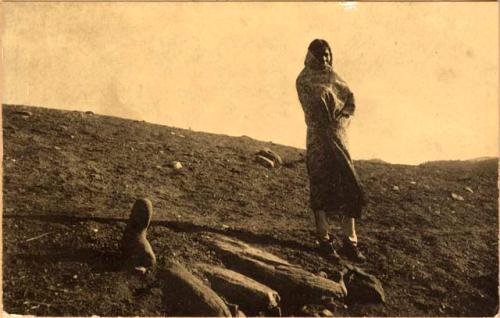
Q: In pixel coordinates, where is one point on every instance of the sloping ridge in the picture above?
(71, 177)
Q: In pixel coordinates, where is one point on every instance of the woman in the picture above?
(335, 189)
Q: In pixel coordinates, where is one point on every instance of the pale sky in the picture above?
(425, 75)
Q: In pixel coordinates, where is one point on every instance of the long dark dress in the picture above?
(328, 103)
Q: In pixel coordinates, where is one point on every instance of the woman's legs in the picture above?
(322, 226)
(348, 226)
(349, 229)
(350, 241)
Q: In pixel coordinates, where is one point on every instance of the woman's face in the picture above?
(327, 57)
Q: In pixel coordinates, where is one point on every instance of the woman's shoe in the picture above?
(351, 251)
(327, 250)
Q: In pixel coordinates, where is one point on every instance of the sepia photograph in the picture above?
(262, 159)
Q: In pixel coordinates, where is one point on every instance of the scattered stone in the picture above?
(158, 167)
(280, 275)
(311, 310)
(57, 148)
(332, 304)
(413, 182)
(233, 308)
(271, 155)
(326, 313)
(135, 247)
(395, 188)
(173, 133)
(457, 197)
(188, 295)
(264, 161)
(469, 189)
(251, 295)
(176, 165)
(225, 227)
(140, 270)
(361, 286)
(322, 274)
(24, 113)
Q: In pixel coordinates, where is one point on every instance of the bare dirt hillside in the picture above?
(70, 179)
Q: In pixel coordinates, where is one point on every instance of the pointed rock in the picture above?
(136, 249)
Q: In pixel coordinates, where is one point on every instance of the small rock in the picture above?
(225, 227)
(362, 287)
(413, 182)
(140, 270)
(311, 310)
(158, 167)
(95, 230)
(233, 308)
(322, 274)
(72, 136)
(264, 161)
(469, 189)
(75, 276)
(271, 155)
(88, 112)
(457, 197)
(326, 313)
(331, 303)
(57, 148)
(24, 113)
(395, 188)
(176, 165)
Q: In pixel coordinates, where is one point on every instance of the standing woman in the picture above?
(335, 189)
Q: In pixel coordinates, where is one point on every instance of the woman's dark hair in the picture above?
(318, 47)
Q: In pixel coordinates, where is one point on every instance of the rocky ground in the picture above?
(70, 179)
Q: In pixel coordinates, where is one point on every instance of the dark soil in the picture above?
(73, 177)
